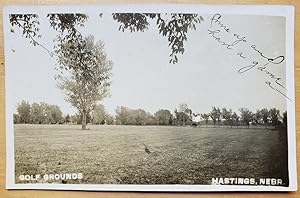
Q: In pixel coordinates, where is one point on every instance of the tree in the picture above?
(75, 119)
(265, 114)
(246, 116)
(126, 116)
(89, 78)
(215, 114)
(68, 118)
(36, 113)
(257, 117)
(24, 112)
(205, 117)
(235, 118)
(227, 115)
(39, 113)
(16, 118)
(109, 119)
(151, 119)
(44, 113)
(219, 115)
(140, 116)
(184, 114)
(99, 114)
(182, 118)
(47, 116)
(56, 114)
(122, 115)
(284, 118)
(274, 116)
(163, 117)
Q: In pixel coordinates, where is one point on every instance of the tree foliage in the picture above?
(29, 25)
(257, 117)
(109, 119)
(127, 116)
(246, 116)
(215, 114)
(227, 115)
(100, 116)
(24, 112)
(265, 114)
(66, 22)
(43, 113)
(205, 116)
(173, 26)
(235, 118)
(16, 118)
(68, 118)
(77, 119)
(38, 113)
(164, 117)
(183, 116)
(284, 118)
(274, 116)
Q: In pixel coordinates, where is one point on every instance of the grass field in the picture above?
(179, 155)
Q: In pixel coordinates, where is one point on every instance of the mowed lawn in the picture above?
(179, 155)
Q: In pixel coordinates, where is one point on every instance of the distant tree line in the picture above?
(127, 116)
(264, 117)
(38, 113)
(43, 113)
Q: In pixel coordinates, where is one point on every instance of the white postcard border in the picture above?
(274, 10)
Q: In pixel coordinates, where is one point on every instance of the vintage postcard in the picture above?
(150, 98)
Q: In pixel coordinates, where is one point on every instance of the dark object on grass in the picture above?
(146, 149)
(194, 124)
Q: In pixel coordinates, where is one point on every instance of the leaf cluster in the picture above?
(28, 23)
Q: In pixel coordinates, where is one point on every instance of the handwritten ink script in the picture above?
(219, 31)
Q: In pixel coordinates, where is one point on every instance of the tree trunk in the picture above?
(83, 121)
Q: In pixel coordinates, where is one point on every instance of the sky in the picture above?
(205, 76)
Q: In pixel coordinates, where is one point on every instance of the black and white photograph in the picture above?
(150, 98)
